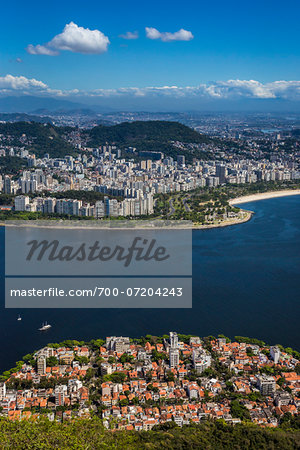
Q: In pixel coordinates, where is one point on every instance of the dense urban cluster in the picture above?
(129, 185)
(135, 384)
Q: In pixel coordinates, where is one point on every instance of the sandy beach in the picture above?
(263, 196)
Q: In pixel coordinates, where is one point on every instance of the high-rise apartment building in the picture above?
(41, 365)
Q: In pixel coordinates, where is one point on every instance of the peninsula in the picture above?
(167, 383)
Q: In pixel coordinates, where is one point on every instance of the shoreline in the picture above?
(226, 223)
(263, 196)
(235, 201)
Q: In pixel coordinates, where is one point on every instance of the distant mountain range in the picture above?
(40, 105)
(90, 106)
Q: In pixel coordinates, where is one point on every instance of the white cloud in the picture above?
(181, 35)
(129, 35)
(246, 88)
(253, 89)
(41, 50)
(285, 89)
(10, 84)
(74, 39)
(15, 83)
(230, 89)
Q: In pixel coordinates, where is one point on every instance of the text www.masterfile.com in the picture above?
(98, 291)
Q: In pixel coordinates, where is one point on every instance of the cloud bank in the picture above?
(15, 83)
(181, 35)
(10, 84)
(231, 89)
(73, 39)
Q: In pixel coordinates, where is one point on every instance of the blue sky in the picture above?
(231, 40)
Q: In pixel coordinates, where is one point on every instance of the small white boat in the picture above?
(45, 326)
(19, 317)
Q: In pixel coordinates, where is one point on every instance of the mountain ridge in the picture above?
(151, 136)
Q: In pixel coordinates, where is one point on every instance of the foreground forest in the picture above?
(90, 434)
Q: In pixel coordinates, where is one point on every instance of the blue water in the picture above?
(245, 282)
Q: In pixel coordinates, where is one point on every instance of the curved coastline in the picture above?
(247, 215)
(227, 223)
(263, 196)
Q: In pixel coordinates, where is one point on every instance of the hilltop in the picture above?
(159, 136)
(152, 130)
(38, 138)
(152, 135)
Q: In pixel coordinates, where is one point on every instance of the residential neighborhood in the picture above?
(135, 384)
(128, 179)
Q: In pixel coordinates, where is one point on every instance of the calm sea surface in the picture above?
(246, 281)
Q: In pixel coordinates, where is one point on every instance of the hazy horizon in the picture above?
(120, 56)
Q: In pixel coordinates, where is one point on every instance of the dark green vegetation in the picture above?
(248, 340)
(201, 206)
(202, 203)
(40, 138)
(150, 136)
(153, 130)
(12, 165)
(7, 199)
(238, 190)
(238, 410)
(155, 136)
(90, 434)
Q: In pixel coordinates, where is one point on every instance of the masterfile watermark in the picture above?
(45, 251)
(140, 249)
(56, 266)
(98, 292)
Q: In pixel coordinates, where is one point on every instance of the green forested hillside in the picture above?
(152, 130)
(90, 435)
(12, 164)
(153, 135)
(43, 138)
